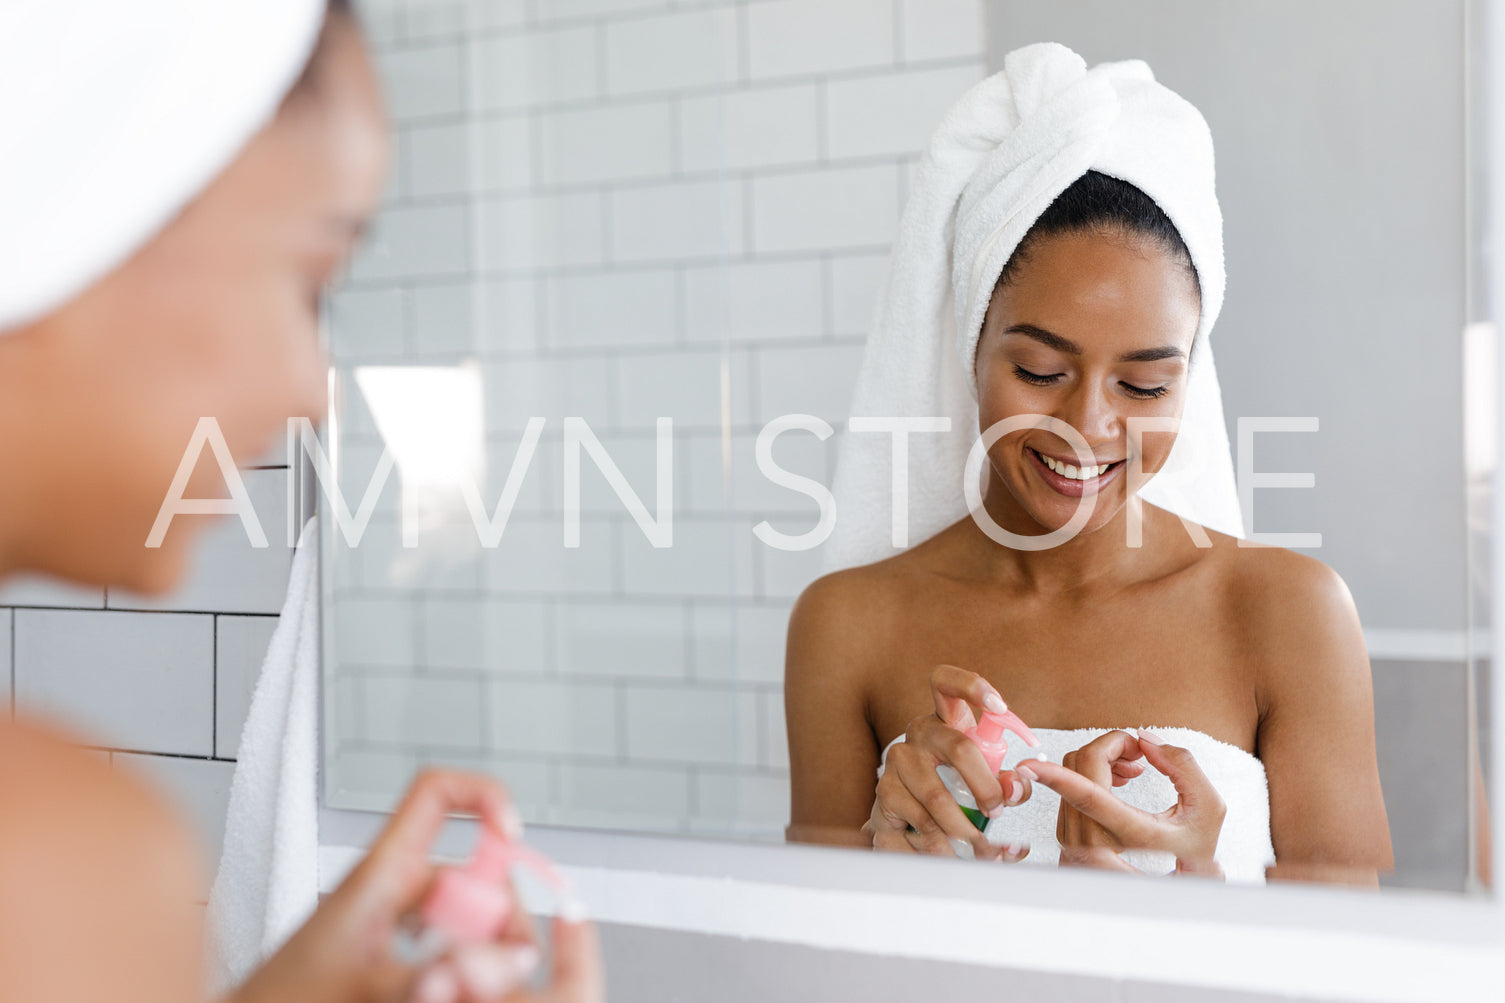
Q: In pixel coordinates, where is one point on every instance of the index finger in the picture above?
(1096, 761)
(956, 689)
(1180, 766)
(1132, 827)
(576, 976)
(1097, 757)
(434, 796)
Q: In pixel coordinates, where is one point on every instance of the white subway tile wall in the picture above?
(624, 209)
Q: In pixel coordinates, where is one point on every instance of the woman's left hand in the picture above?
(1093, 825)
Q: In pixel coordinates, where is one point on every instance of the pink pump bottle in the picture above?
(988, 735)
(471, 904)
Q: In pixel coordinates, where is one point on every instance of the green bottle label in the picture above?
(977, 818)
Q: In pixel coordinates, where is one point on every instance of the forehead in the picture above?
(1104, 291)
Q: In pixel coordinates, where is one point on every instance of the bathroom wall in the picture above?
(623, 210)
(640, 209)
(819, 140)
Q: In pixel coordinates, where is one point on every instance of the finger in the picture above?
(1015, 851)
(945, 744)
(898, 818)
(518, 929)
(1109, 747)
(1067, 819)
(942, 815)
(1016, 790)
(894, 807)
(400, 852)
(439, 984)
(1125, 770)
(1095, 762)
(1130, 826)
(576, 976)
(395, 875)
(487, 972)
(1097, 857)
(1205, 867)
(957, 691)
(433, 797)
(894, 842)
(1193, 789)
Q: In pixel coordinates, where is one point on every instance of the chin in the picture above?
(147, 571)
(158, 571)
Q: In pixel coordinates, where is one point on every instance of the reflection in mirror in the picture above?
(605, 438)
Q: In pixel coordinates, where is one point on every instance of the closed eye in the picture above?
(1036, 379)
(1145, 393)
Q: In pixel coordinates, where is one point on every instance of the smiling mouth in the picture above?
(1071, 472)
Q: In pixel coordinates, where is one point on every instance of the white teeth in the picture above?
(1075, 473)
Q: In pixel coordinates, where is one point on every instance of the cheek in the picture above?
(1003, 396)
(249, 360)
(1156, 446)
(282, 373)
(255, 363)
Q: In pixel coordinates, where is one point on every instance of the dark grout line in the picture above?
(159, 755)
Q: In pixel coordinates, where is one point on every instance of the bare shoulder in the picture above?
(1296, 619)
(91, 856)
(1289, 597)
(848, 608)
(841, 632)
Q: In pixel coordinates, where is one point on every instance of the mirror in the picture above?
(623, 241)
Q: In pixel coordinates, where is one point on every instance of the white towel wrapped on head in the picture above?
(116, 114)
(1001, 155)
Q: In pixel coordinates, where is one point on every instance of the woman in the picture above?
(181, 277)
(1089, 341)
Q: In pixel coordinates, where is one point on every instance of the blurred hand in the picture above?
(1093, 825)
(345, 951)
(912, 811)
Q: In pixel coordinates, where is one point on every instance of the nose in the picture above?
(1088, 409)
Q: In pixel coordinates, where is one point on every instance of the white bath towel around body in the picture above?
(1244, 845)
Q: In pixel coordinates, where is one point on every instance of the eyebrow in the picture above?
(1060, 344)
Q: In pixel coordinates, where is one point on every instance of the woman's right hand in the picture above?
(343, 954)
(913, 812)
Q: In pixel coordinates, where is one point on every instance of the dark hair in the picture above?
(1097, 203)
(307, 78)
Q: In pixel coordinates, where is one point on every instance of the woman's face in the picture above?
(1092, 329)
(218, 316)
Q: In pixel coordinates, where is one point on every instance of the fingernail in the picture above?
(994, 703)
(1026, 773)
(1016, 791)
(996, 810)
(491, 973)
(1015, 849)
(438, 985)
(1149, 736)
(512, 822)
(572, 910)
